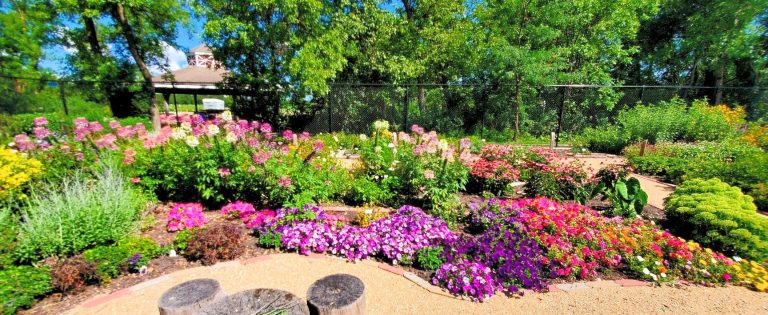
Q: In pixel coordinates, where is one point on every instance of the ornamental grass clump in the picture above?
(77, 214)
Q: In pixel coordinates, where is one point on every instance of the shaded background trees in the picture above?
(287, 55)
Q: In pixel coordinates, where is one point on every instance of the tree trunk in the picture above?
(422, 99)
(118, 13)
(719, 78)
(190, 297)
(166, 106)
(338, 294)
(90, 33)
(518, 101)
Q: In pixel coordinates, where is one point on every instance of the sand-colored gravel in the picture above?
(388, 293)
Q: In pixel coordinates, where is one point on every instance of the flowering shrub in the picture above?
(576, 241)
(16, 171)
(750, 274)
(410, 229)
(396, 237)
(417, 167)
(514, 257)
(184, 216)
(466, 278)
(493, 176)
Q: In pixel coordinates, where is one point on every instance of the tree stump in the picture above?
(338, 294)
(258, 301)
(190, 297)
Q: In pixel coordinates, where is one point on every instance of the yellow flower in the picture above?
(16, 170)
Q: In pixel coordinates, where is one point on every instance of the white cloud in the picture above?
(175, 58)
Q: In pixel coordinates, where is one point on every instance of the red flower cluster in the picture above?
(494, 170)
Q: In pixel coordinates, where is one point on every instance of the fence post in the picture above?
(642, 93)
(63, 98)
(560, 116)
(405, 110)
(328, 105)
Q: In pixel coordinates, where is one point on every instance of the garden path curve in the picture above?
(657, 191)
(389, 292)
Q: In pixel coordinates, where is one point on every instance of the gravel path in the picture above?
(388, 293)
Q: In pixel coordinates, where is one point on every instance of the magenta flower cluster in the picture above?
(468, 278)
(248, 213)
(396, 237)
(184, 216)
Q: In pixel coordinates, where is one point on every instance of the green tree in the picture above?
(24, 32)
(531, 43)
(711, 43)
(280, 53)
(107, 29)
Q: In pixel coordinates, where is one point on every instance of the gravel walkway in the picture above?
(389, 293)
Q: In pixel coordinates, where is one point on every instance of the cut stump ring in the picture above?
(189, 297)
(338, 294)
(258, 301)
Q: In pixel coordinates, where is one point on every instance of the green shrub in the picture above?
(759, 193)
(627, 197)
(181, 241)
(429, 258)
(611, 139)
(8, 226)
(670, 169)
(271, 240)
(20, 285)
(366, 191)
(718, 215)
(81, 214)
(113, 260)
(735, 162)
(676, 121)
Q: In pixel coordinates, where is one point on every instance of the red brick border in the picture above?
(106, 298)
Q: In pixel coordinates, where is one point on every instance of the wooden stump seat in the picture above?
(339, 294)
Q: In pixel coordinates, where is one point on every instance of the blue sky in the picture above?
(54, 58)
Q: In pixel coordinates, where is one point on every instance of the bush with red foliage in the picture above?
(492, 175)
(72, 274)
(223, 241)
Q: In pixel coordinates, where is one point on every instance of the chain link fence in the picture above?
(480, 109)
(456, 109)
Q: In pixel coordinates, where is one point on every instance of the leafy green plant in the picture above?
(718, 215)
(181, 241)
(112, 260)
(759, 193)
(8, 227)
(20, 286)
(270, 240)
(429, 258)
(78, 214)
(610, 139)
(627, 197)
